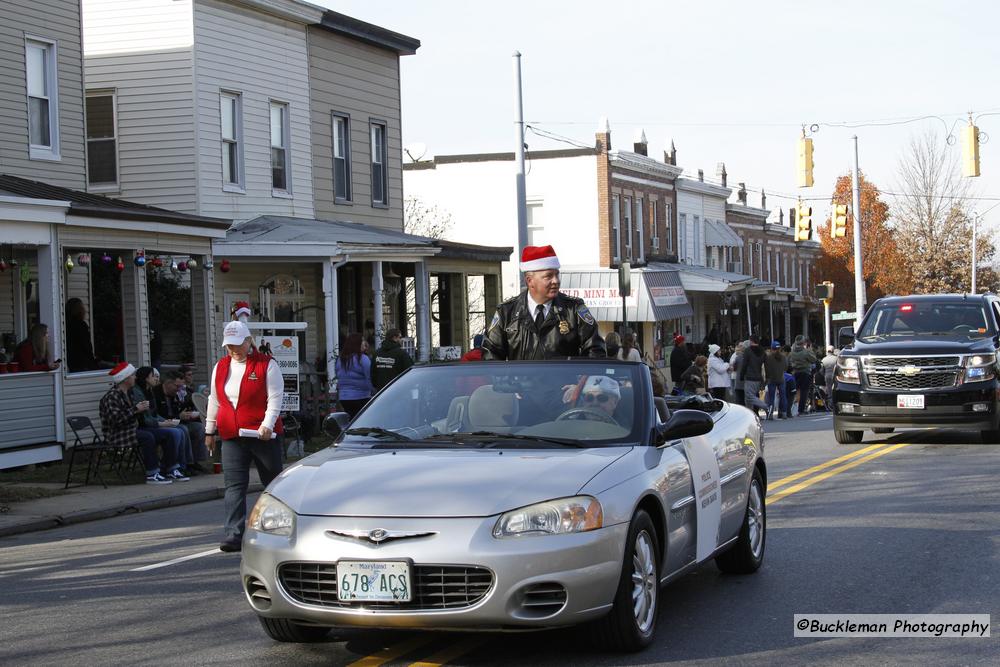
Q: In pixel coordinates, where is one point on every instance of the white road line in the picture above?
(165, 563)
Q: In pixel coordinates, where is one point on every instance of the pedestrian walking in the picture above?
(354, 375)
(801, 362)
(752, 374)
(775, 366)
(390, 360)
(718, 373)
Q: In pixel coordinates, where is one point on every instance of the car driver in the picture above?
(600, 393)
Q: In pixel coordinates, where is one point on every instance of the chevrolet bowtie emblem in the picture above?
(379, 535)
(909, 371)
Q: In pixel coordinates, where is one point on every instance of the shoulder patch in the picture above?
(585, 315)
(494, 322)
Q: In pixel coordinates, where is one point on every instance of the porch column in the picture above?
(788, 323)
(460, 321)
(204, 322)
(423, 288)
(332, 314)
(51, 312)
(805, 322)
(377, 292)
(491, 295)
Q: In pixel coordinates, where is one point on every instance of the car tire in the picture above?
(849, 437)
(990, 437)
(883, 430)
(625, 629)
(284, 630)
(747, 555)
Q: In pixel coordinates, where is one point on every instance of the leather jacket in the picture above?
(568, 331)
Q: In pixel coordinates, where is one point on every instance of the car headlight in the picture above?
(979, 367)
(554, 517)
(270, 515)
(848, 370)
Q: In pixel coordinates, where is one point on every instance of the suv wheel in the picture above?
(849, 437)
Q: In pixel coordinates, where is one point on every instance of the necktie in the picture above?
(539, 316)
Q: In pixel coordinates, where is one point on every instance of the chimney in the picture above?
(603, 134)
(720, 173)
(781, 217)
(701, 175)
(741, 194)
(670, 153)
(640, 143)
(763, 199)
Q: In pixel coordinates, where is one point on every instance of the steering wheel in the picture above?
(587, 414)
(961, 327)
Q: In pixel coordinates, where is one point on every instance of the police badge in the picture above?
(563, 327)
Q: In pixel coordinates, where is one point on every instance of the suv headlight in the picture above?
(270, 515)
(848, 370)
(554, 517)
(980, 367)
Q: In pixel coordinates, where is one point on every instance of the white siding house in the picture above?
(697, 202)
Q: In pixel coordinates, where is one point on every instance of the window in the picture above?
(696, 240)
(97, 309)
(616, 227)
(639, 229)
(668, 212)
(341, 158)
(682, 236)
(655, 242)
(628, 227)
(102, 144)
(232, 142)
(43, 99)
(380, 172)
(749, 247)
(536, 224)
(280, 139)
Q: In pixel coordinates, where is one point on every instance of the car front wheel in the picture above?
(849, 437)
(631, 623)
(284, 630)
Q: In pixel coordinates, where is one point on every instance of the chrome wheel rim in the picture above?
(755, 520)
(644, 584)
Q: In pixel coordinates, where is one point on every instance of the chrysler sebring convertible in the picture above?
(507, 496)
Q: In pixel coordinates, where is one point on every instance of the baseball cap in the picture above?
(235, 333)
(775, 345)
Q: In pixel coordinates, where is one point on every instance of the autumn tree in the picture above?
(885, 270)
(933, 220)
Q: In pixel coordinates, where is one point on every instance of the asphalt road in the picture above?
(913, 528)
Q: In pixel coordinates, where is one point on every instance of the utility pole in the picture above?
(859, 280)
(522, 204)
(975, 221)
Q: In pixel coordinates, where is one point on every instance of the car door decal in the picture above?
(704, 465)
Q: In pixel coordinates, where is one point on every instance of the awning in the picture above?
(655, 295)
(704, 279)
(718, 233)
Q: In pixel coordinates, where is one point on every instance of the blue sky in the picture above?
(727, 81)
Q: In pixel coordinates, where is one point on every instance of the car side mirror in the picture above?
(845, 337)
(335, 423)
(686, 424)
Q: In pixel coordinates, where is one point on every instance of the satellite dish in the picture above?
(415, 151)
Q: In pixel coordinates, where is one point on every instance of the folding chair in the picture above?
(97, 445)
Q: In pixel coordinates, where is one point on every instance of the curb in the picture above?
(117, 510)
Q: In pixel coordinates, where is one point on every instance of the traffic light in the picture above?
(970, 150)
(803, 223)
(824, 291)
(805, 165)
(838, 224)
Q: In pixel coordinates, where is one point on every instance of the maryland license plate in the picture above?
(373, 581)
(910, 401)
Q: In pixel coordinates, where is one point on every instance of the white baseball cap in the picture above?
(602, 384)
(235, 333)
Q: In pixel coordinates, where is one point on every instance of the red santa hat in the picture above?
(121, 372)
(241, 308)
(538, 258)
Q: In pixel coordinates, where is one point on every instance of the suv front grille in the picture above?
(931, 380)
(892, 363)
(928, 372)
(435, 587)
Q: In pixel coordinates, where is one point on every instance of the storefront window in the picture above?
(171, 334)
(94, 314)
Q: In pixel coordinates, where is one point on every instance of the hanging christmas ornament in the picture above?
(3, 265)
(182, 267)
(120, 265)
(173, 265)
(224, 266)
(106, 258)
(140, 260)
(69, 263)
(83, 259)
(207, 264)
(157, 262)
(192, 264)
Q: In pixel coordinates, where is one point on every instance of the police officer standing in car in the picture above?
(541, 322)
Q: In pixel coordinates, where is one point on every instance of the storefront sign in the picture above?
(667, 296)
(285, 351)
(600, 297)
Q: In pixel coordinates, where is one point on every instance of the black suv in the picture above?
(926, 361)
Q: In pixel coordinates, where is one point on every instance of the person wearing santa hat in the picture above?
(241, 312)
(542, 322)
(120, 427)
(244, 413)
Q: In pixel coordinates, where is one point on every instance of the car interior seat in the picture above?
(492, 411)
(662, 409)
(458, 415)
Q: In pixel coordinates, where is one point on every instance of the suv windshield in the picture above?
(929, 318)
(517, 404)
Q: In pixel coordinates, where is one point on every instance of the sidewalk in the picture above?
(89, 503)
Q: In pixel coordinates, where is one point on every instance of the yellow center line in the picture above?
(390, 653)
(448, 654)
(830, 473)
(821, 466)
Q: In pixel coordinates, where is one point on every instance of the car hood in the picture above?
(434, 482)
(922, 345)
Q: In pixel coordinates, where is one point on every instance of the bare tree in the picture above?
(423, 219)
(932, 218)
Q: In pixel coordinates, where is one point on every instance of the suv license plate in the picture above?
(910, 401)
(373, 581)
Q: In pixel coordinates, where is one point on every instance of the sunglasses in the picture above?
(596, 398)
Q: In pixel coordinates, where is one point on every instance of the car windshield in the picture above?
(498, 404)
(928, 318)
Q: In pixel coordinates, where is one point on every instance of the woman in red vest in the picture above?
(243, 412)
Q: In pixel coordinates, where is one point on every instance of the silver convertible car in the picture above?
(507, 496)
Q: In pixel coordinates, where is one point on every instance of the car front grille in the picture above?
(893, 363)
(435, 587)
(931, 380)
(912, 373)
